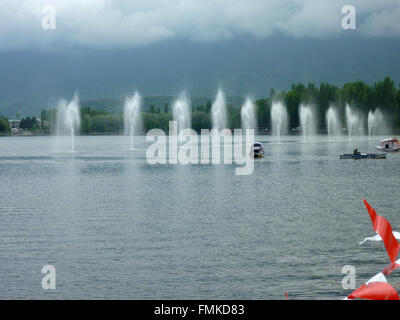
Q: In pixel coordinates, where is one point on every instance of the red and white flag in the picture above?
(384, 229)
(377, 287)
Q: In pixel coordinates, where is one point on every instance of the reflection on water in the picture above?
(116, 227)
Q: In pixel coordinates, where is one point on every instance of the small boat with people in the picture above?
(389, 145)
(358, 155)
(257, 150)
(363, 156)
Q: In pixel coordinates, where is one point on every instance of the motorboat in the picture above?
(389, 145)
(257, 150)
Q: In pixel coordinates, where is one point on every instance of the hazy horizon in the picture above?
(109, 49)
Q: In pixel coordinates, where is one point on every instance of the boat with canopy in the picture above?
(389, 145)
(257, 150)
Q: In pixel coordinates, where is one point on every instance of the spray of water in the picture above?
(248, 115)
(332, 122)
(375, 123)
(68, 119)
(181, 114)
(218, 112)
(307, 122)
(279, 119)
(131, 116)
(354, 123)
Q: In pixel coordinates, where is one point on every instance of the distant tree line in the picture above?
(361, 97)
(100, 121)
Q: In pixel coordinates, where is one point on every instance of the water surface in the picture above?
(116, 227)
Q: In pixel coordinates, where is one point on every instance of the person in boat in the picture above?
(356, 152)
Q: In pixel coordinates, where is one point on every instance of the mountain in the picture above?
(32, 80)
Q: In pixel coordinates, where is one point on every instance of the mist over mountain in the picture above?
(33, 80)
(109, 49)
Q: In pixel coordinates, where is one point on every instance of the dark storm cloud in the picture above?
(116, 24)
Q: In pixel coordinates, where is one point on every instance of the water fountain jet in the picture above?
(332, 122)
(131, 116)
(307, 122)
(68, 119)
(181, 114)
(218, 112)
(248, 115)
(279, 119)
(353, 121)
(375, 122)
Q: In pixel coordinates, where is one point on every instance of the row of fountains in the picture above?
(355, 124)
(68, 118)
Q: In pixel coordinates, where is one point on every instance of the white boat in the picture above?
(389, 145)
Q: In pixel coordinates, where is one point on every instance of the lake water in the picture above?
(116, 227)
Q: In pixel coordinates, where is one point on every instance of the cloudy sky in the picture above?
(106, 48)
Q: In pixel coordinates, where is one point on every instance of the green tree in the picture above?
(201, 120)
(4, 126)
(233, 113)
(263, 111)
(208, 106)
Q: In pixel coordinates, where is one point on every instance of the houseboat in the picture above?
(389, 145)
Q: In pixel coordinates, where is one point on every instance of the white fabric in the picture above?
(377, 278)
(378, 237)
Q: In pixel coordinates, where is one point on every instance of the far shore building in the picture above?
(14, 124)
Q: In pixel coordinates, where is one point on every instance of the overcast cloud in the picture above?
(119, 23)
